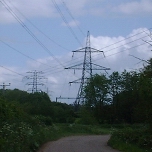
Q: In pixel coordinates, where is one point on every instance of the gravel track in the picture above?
(95, 143)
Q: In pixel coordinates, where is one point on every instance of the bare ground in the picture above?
(95, 143)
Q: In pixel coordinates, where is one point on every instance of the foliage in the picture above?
(85, 117)
(26, 120)
(122, 97)
(10, 111)
(23, 136)
(116, 143)
(119, 98)
(139, 139)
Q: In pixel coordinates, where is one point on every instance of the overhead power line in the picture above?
(107, 46)
(124, 39)
(76, 62)
(12, 71)
(140, 59)
(69, 12)
(29, 31)
(117, 48)
(22, 53)
(75, 59)
(120, 45)
(59, 45)
(65, 21)
(103, 57)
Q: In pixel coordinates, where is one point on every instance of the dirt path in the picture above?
(95, 143)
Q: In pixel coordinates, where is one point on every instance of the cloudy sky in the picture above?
(41, 35)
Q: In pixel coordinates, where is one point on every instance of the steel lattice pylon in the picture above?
(86, 69)
(35, 77)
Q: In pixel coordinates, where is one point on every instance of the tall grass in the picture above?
(131, 139)
(22, 136)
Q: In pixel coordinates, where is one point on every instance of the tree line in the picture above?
(120, 97)
(124, 97)
(17, 103)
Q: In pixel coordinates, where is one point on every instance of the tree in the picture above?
(97, 95)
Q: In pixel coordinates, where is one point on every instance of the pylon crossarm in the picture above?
(73, 67)
(103, 68)
(76, 81)
(95, 50)
(79, 50)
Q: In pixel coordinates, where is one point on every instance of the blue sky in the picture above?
(59, 27)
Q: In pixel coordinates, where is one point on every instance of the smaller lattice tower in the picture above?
(35, 77)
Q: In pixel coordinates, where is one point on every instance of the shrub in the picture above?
(139, 137)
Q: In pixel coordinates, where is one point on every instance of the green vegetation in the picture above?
(112, 104)
(123, 98)
(30, 120)
(132, 139)
(26, 120)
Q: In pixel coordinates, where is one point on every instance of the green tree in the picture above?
(125, 101)
(114, 90)
(97, 95)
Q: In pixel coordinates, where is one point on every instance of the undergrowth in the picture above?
(23, 136)
(132, 139)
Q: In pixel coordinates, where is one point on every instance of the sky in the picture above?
(39, 36)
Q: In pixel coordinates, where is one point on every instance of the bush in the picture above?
(139, 137)
(86, 118)
(44, 120)
(21, 136)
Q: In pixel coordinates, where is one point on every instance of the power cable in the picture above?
(40, 30)
(22, 53)
(44, 46)
(112, 54)
(124, 39)
(115, 47)
(124, 50)
(69, 12)
(66, 22)
(47, 49)
(30, 32)
(12, 71)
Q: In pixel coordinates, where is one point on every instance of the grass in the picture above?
(124, 147)
(21, 136)
(29, 137)
(58, 131)
(131, 139)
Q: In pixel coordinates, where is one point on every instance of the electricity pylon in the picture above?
(35, 77)
(87, 67)
(4, 86)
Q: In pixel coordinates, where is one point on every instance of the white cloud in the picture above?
(107, 44)
(72, 23)
(135, 7)
(34, 8)
(46, 8)
(117, 50)
(37, 8)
